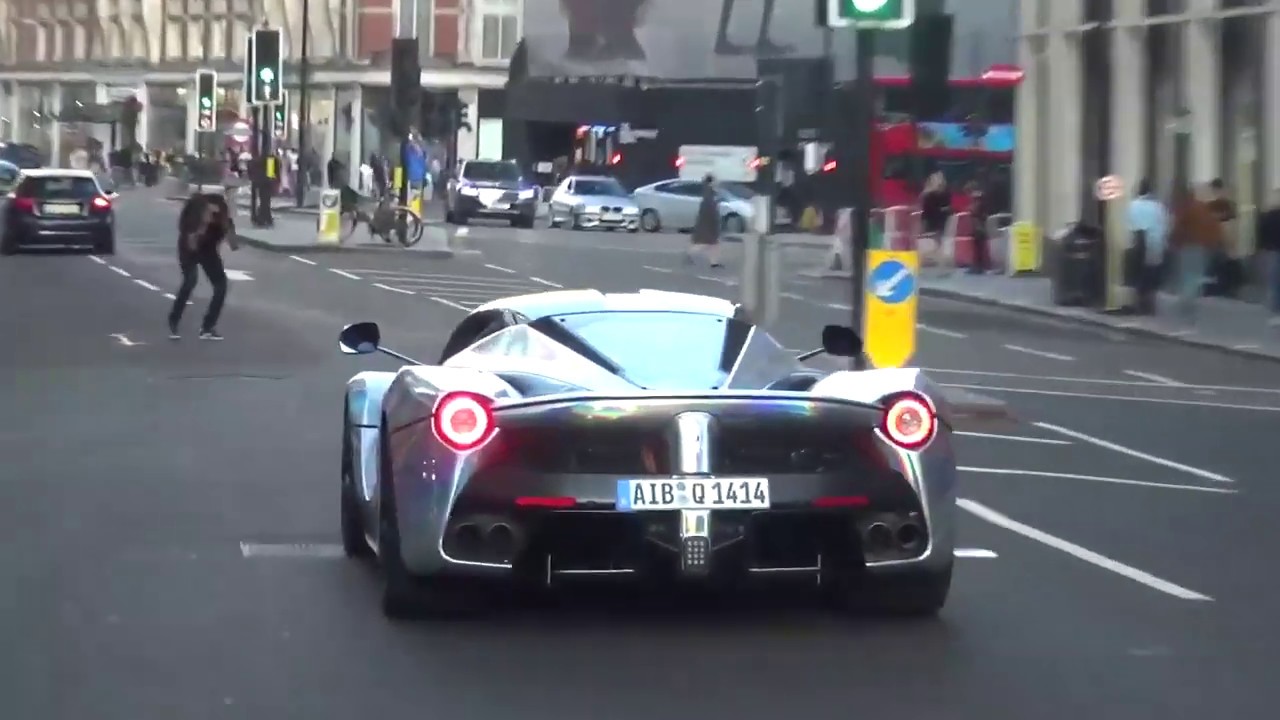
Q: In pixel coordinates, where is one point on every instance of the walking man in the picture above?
(204, 224)
(706, 230)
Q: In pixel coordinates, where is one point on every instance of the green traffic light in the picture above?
(206, 102)
(266, 75)
(869, 6)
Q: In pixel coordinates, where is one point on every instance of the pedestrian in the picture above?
(1196, 235)
(979, 215)
(205, 223)
(1269, 246)
(1144, 259)
(706, 227)
(1225, 272)
(935, 210)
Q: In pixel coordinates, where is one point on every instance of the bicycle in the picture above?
(383, 218)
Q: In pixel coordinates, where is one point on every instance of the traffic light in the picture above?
(268, 66)
(884, 14)
(406, 82)
(282, 115)
(464, 117)
(206, 100)
(930, 64)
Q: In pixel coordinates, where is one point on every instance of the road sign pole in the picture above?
(864, 125)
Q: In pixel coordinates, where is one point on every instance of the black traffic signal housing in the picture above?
(406, 82)
(281, 116)
(206, 100)
(930, 63)
(268, 66)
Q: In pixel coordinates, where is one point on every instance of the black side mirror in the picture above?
(841, 341)
(362, 338)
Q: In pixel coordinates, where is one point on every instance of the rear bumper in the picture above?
(80, 234)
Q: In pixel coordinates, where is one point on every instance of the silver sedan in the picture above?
(673, 205)
(586, 202)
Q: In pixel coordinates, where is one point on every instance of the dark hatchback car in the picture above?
(58, 209)
(491, 189)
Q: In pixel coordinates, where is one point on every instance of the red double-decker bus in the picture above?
(974, 140)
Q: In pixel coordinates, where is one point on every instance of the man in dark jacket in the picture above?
(706, 228)
(204, 224)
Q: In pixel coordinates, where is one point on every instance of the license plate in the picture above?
(693, 494)
(501, 206)
(60, 209)
(612, 217)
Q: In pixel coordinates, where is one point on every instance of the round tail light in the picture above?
(910, 421)
(463, 420)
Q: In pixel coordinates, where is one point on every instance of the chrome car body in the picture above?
(587, 202)
(673, 204)
(573, 429)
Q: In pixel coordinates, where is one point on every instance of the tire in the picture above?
(733, 224)
(413, 226)
(107, 247)
(354, 544)
(347, 224)
(920, 594)
(401, 598)
(574, 223)
(649, 220)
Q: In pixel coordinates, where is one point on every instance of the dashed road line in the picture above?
(125, 341)
(656, 269)
(499, 268)
(302, 260)
(1097, 478)
(839, 306)
(548, 283)
(394, 289)
(1039, 353)
(1158, 379)
(1001, 520)
(344, 274)
(146, 284)
(940, 331)
(1101, 381)
(120, 271)
(1014, 438)
(451, 304)
(1122, 398)
(1171, 464)
(97, 259)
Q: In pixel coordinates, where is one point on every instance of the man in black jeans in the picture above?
(204, 224)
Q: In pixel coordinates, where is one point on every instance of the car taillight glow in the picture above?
(101, 203)
(24, 204)
(910, 421)
(463, 420)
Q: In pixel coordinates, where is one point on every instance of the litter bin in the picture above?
(1079, 272)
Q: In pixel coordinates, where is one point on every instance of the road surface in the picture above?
(169, 513)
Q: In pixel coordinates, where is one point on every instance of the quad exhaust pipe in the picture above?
(879, 537)
(496, 541)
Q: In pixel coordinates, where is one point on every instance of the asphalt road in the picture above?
(169, 515)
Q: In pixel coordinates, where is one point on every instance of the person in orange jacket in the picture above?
(603, 30)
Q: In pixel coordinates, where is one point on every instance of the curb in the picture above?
(337, 249)
(1084, 318)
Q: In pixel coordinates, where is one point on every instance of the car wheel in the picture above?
(919, 594)
(734, 224)
(650, 221)
(353, 540)
(575, 223)
(105, 248)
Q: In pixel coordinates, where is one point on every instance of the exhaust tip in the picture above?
(502, 540)
(910, 536)
(877, 537)
(468, 537)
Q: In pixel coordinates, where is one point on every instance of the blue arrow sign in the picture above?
(892, 282)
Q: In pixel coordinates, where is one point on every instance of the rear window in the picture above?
(59, 188)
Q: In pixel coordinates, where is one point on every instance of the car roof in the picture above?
(59, 172)
(564, 302)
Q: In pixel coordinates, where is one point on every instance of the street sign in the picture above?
(1109, 188)
(330, 218)
(891, 300)
(869, 14)
(1024, 247)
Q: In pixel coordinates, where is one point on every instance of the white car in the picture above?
(673, 204)
(585, 202)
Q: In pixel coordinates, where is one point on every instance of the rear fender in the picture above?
(364, 397)
(870, 386)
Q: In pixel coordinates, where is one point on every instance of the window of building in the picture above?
(499, 34)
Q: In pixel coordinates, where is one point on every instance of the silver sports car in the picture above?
(651, 436)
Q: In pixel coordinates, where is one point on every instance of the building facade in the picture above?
(59, 55)
(1175, 91)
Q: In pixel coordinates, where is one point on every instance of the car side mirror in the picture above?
(841, 341)
(362, 338)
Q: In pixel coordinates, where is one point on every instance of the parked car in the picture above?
(673, 205)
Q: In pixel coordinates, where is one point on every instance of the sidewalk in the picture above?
(1221, 324)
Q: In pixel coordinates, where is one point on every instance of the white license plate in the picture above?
(693, 494)
(501, 206)
(612, 217)
(61, 209)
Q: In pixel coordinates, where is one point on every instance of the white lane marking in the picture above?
(1096, 478)
(1000, 520)
(344, 274)
(548, 283)
(1100, 381)
(975, 553)
(97, 259)
(146, 284)
(302, 260)
(393, 289)
(290, 550)
(238, 275)
(1038, 353)
(499, 268)
(940, 331)
(1202, 474)
(171, 296)
(656, 269)
(1158, 379)
(451, 304)
(1094, 396)
(125, 341)
(119, 271)
(839, 306)
(1015, 438)
(792, 296)
(455, 281)
(722, 281)
(461, 232)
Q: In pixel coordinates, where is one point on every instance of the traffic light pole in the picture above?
(863, 128)
(406, 29)
(304, 108)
